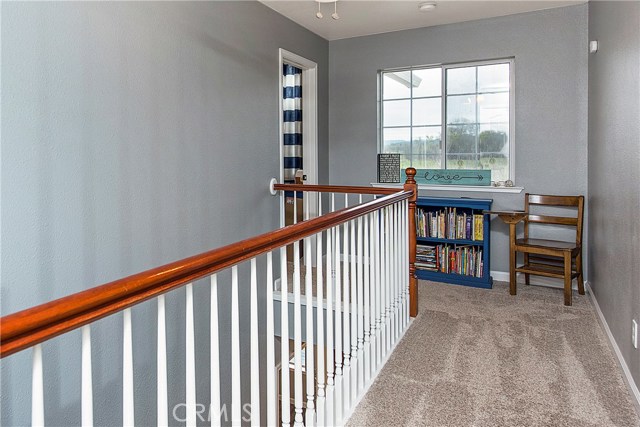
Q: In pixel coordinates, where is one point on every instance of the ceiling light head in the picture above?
(319, 15)
(335, 16)
(427, 6)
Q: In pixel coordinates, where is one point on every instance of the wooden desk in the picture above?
(511, 218)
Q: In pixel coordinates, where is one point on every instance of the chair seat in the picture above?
(547, 244)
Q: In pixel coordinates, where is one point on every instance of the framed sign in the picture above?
(389, 168)
(480, 177)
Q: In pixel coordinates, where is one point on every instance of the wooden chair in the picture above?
(544, 257)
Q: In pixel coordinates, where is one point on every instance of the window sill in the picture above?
(460, 188)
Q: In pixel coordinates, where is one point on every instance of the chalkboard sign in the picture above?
(389, 168)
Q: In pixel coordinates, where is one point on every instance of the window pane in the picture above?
(427, 147)
(461, 139)
(461, 109)
(463, 161)
(396, 85)
(427, 82)
(461, 80)
(493, 108)
(427, 111)
(397, 141)
(494, 139)
(427, 161)
(493, 78)
(426, 140)
(397, 113)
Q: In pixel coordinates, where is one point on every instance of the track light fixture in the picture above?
(334, 15)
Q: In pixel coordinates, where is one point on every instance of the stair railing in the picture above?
(359, 318)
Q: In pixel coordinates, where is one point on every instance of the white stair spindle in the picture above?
(284, 341)
(394, 274)
(376, 285)
(255, 350)
(236, 397)
(346, 347)
(298, 420)
(320, 407)
(353, 285)
(338, 405)
(367, 298)
(387, 280)
(37, 387)
(272, 391)
(190, 359)
(309, 415)
(128, 418)
(330, 275)
(87, 382)
(360, 305)
(215, 354)
(405, 261)
(163, 390)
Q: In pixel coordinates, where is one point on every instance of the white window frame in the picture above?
(443, 94)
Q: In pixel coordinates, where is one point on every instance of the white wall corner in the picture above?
(633, 387)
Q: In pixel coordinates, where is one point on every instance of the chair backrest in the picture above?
(561, 201)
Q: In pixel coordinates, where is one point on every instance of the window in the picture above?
(456, 116)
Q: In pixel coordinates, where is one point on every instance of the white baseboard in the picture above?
(503, 276)
(612, 341)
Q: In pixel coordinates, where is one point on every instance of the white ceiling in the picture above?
(364, 17)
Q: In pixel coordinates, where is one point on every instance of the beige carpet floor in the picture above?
(477, 357)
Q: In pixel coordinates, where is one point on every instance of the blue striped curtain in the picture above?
(292, 126)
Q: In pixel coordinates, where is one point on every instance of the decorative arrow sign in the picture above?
(452, 176)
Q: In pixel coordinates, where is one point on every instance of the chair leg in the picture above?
(567, 278)
(512, 259)
(526, 275)
(580, 278)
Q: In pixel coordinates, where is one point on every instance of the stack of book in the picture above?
(448, 223)
(465, 260)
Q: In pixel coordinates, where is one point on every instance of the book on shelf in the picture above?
(449, 223)
(465, 259)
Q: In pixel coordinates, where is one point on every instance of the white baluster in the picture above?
(376, 287)
(346, 320)
(255, 350)
(215, 354)
(128, 418)
(87, 382)
(360, 306)
(297, 337)
(320, 410)
(367, 298)
(387, 279)
(284, 340)
(405, 261)
(309, 363)
(236, 378)
(37, 387)
(338, 405)
(330, 274)
(353, 317)
(394, 275)
(272, 391)
(190, 359)
(162, 391)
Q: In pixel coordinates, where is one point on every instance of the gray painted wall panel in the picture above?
(550, 99)
(614, 151)
(134, 134)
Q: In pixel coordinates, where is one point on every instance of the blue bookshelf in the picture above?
(444, 233)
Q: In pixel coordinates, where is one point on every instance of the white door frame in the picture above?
(309, 120)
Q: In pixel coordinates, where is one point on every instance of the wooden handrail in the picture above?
(26, 328)
(335, 189)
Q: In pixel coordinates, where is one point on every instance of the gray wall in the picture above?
(614, 151)
(550, 99)
(133, 134)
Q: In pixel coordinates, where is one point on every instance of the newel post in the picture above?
(410, 185)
